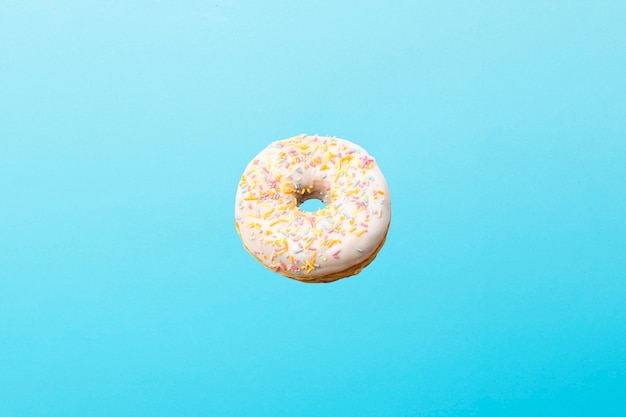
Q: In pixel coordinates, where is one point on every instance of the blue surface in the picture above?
(124, 129)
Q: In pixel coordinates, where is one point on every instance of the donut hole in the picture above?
(311, 205)
(313, 200)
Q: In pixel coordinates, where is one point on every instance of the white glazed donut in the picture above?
(334, 242)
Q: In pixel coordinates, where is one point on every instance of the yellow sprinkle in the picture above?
(333, 242)
(361, 232)
(267, 214)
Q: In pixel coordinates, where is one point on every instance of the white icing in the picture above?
(307, 245)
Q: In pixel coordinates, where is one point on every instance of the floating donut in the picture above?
(331, 243)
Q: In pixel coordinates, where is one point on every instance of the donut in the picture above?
(334, 242)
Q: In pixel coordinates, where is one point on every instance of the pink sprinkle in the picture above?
(335, 255)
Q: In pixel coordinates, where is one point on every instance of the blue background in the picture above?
(499, 125)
